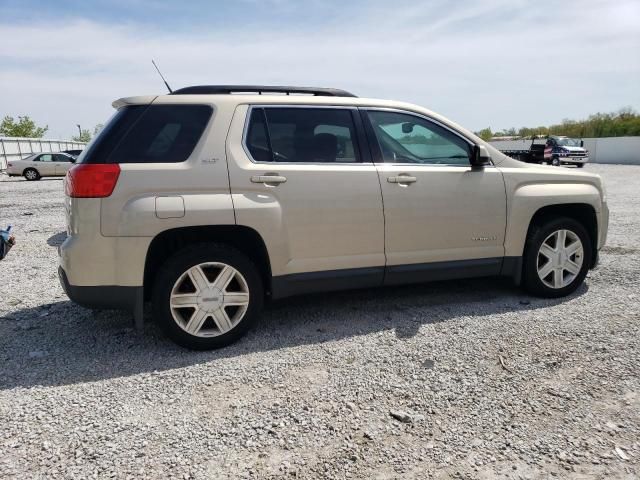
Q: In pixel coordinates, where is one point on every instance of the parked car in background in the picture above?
(208, 215)
(41, 165)
(73, 153)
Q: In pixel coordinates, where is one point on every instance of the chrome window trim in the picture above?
(352, 108)
(432, 120)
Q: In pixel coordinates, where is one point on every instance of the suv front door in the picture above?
(441, 215)
(302, 177)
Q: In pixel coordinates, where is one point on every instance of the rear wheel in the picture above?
(555, 162)
(207, 296)
(31, 174)
(556, 258)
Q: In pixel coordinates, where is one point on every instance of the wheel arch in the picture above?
(243, 238)
(583, 213)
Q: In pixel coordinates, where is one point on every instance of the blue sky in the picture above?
(182, 15)
(498, 63)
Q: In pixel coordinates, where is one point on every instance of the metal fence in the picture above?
(15, 148)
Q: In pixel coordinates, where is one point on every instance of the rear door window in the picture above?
(150, 134)
(258, 138)
(302, 135)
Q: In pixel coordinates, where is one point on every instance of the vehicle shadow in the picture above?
(62, 343)
(57, 239)
(22, 179)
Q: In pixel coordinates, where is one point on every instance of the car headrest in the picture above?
(325, 147)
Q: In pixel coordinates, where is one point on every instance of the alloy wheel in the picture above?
(560, 259)
(209, 299)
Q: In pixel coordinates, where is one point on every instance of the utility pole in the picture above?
(79, 130)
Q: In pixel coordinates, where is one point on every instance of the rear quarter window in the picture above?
(150, 134)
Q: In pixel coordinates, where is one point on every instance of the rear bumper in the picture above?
(102, 296)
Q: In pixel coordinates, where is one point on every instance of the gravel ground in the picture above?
(466, 379)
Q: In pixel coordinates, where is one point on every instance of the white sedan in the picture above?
(41, 165)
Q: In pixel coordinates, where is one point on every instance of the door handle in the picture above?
(268, 179)
(402, 179)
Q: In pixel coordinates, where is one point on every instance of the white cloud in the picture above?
(496, 63)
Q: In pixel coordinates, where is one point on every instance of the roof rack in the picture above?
(260, 89)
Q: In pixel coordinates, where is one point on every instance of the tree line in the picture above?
(27, 128)
(623, 123)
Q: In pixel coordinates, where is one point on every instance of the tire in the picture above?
(220, 324)
(580, 165)
(553, 284)
(31, 174)
(555, 162)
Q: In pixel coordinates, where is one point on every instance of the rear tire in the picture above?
(207, 296)
(555, 162)
(31, 174)
(557, 257)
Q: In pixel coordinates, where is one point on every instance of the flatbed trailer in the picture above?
(534, 154)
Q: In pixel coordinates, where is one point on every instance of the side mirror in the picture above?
(480, 156)
(582, 143)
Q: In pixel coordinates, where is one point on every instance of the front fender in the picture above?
(527, 199)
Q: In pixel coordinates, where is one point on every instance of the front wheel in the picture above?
(557, 256)
(580, 165)
(207, 296)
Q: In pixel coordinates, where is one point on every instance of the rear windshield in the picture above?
(149, 134)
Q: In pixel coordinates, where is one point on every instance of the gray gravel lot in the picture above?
(465, 379)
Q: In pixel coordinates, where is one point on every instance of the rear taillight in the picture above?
(96, 180)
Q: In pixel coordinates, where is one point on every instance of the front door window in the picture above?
(406, 138)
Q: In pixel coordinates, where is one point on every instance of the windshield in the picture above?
(568, 142)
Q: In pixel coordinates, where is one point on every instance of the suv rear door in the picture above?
(440, 214)
(302, 177)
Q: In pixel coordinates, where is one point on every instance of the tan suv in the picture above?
(210, 200)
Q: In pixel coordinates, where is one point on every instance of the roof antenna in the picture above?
(161, 76)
